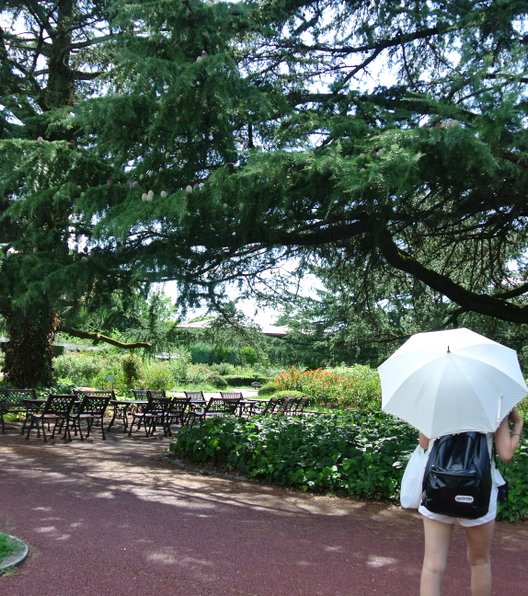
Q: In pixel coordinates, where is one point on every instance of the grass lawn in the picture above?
(7, 546)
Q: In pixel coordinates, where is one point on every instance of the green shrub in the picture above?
(522, 408)
(516, 507)
(286, 394)
(207, 353)
(7, 546)
(198, 374)
(110, 379)
(225, 354)
(248, 355)
(157, 376)
(128, 370)
(358, 453)
(80, 368)
(179, 363)
(224, 368)
(91, 369)
(217, 382)
(268, 389)
(201, 353)
(43, 392)
(131, 366)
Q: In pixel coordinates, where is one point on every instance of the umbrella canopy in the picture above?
(451, 381)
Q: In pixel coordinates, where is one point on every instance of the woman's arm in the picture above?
(506, 440)
(423, 440)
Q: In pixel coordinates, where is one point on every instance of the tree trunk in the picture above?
(60, 87)
(28, 355)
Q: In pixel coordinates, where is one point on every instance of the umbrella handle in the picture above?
(499, 409)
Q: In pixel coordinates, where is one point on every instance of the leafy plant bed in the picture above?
(356, 453)
(335, 452)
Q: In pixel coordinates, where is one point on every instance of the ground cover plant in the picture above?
(358, 453)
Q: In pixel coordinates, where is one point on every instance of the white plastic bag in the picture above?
(411, 485)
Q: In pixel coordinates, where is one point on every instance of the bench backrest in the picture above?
(140, 393)
(11, 399)
(231, 394)
(195, 395)
(110, 393)
(60, 404)
(225, 405)
(94, 404)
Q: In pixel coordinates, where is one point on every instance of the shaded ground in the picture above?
(113, 518)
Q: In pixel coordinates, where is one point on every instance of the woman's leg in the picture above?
(437, 540)
(479, 540)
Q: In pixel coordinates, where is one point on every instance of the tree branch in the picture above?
(488, 305)
(94, 335)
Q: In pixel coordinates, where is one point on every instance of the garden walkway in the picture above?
(113, 518)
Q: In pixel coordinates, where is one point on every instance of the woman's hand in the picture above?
(515, 418)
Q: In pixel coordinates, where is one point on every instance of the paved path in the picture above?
(113, 518)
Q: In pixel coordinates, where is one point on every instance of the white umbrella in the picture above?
(451, 381)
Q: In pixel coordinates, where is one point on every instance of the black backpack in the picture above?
(457, 477)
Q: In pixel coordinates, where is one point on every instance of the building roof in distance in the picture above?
(266, 329)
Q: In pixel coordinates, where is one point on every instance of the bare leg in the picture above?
(479, 540)
(437, 540)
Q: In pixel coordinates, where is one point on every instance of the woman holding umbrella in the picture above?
(449, 382)
(479, 532)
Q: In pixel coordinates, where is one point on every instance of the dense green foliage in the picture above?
(339, 326)
(51, 55)
(362, 454)
(516, 473)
